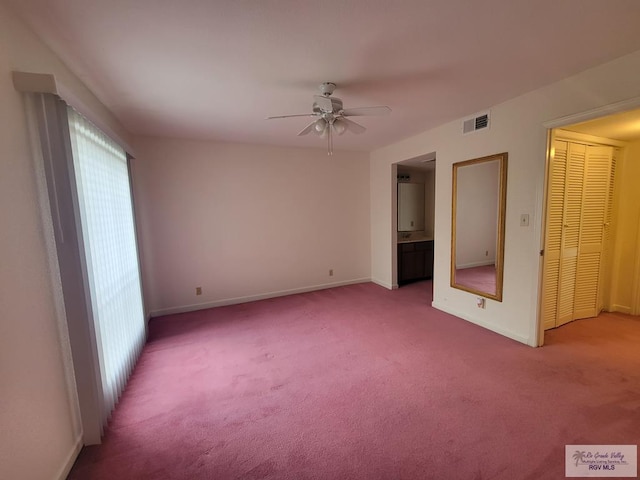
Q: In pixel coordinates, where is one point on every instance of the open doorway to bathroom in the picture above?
(414, 218)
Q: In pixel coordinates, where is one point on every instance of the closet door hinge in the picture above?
(542, 253)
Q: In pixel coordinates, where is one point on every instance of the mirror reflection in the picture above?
(477, 237)
(410, 207)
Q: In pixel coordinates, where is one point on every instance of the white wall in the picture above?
(246, 222)
(627, 236)
(39, 422)
(517, 128)
(430, 202)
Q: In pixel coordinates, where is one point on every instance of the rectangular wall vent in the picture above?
(476, 123)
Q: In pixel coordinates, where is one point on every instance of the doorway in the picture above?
(413, 218)
(591, 260)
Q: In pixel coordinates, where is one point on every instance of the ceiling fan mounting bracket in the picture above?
(327, 88)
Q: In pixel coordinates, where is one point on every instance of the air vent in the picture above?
(476, 123)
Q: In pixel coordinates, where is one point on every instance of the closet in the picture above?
(578, 230)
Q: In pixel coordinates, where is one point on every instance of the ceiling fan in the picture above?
(331, 117)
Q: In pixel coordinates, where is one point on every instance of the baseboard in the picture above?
(480, 323)
(386, 285)
(63, 473)
(621, 309)
(253, 298)
(482, 263)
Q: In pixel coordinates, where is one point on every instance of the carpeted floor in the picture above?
(359, 382)
(481, 278)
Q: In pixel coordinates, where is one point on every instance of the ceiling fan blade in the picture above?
(289, 116)
(325, 103)
(352, 126)
(307, 129)
(365, 111)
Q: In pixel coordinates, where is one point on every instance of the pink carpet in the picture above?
(481, 278)
(360, 382)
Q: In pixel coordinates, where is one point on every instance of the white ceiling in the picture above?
(215, 69)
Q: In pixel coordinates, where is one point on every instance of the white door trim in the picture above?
(629, 104)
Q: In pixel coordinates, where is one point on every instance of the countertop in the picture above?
(416, 239)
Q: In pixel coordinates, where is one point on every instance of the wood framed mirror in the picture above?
(477, 225)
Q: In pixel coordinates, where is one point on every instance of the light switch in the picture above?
(524, 220)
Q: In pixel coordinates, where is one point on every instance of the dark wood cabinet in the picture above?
(415, 261)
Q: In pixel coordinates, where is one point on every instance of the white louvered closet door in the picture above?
(553, 240)
(574, 181)
(579, 213)
(592, 231)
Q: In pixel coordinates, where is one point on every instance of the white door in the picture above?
(592, 231)
(553, 237)
(579, 210)
(572, 212)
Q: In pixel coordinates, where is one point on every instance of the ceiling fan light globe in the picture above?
(321, 126)
(339, 127)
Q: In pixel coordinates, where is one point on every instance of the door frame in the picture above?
(558, 123)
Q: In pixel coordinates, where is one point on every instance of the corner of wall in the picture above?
(67, 465)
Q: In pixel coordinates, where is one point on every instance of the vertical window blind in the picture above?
(108, 235)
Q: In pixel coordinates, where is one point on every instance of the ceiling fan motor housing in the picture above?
(336, 105)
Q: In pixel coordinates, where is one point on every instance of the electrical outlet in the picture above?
(198, 290)
(331, 272)
(480, 302)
